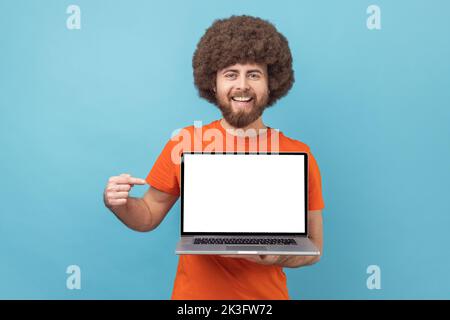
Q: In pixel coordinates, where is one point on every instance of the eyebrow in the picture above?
(237, 71)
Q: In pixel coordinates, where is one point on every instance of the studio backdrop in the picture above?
(93, 89)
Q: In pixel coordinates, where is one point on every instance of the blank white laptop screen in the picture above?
(245, 193)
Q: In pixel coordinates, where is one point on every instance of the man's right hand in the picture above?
(118, 188)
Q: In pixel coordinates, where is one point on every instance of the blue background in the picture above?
(79, 106)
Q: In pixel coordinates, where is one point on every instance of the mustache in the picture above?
(242, 94)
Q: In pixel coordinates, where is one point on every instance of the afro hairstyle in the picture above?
(242, 39)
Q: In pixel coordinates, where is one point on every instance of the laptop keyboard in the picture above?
(246, 241)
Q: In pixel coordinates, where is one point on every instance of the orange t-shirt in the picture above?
(211, 276)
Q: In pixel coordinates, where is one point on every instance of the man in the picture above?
(242, 65)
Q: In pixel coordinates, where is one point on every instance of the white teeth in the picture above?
(242, 99)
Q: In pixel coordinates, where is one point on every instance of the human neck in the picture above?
(255, 125)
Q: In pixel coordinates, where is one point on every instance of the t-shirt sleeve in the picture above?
(315, 197)
(163, 176)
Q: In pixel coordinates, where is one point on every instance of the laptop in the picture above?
(244, 203)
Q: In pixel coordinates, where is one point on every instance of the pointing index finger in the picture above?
(137, 181)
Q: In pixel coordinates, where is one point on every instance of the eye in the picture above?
(230, 75)
(254, 76)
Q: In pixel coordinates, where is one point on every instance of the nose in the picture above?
(242, 84)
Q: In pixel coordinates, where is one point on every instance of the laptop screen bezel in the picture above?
(183, 233)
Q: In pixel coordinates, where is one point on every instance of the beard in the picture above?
(242, 118)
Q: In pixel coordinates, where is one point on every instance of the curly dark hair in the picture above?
(243, 39)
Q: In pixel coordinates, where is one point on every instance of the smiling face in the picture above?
(242, 93)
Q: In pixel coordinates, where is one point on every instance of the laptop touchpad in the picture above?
(247, 248)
